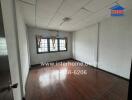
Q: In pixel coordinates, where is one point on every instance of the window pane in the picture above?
(39, 49)
(62, 48)
(62, 44)
(3, 46)
(43, 46)
(53, 45)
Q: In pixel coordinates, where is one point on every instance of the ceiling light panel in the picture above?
(82, 14)
(97, 5)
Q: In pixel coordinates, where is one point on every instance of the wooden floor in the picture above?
(60, 82)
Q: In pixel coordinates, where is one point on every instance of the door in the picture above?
(130, 85)
(5, 79)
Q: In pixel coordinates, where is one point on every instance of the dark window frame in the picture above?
(48, 41)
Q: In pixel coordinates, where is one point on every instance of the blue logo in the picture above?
(117, 10)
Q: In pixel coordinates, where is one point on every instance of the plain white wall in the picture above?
(23, 46)
(115, 45)
(47, 57)
(85, 45)
(115, 49)
(12, 46)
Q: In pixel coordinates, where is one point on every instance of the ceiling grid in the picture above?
(50, 13)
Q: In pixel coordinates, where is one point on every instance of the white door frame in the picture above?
(10, 27)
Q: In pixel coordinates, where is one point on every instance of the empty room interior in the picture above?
(65, 49)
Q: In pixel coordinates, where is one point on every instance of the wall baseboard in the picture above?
(113, 74)
(105, 71)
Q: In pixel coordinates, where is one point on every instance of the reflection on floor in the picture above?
(67, 82)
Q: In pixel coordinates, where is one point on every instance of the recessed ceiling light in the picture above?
(65, 19)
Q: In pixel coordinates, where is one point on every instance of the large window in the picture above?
(47, 45)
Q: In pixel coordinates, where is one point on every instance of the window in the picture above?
(47, 45)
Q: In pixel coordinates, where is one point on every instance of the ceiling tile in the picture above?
(46, 10)
(127, 5)
(82, 14)
(97, 5)
(57, 20)
(102, 14)
(68, 9)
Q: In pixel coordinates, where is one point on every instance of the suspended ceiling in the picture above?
(49, 14)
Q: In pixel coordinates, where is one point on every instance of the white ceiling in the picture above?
(49, 14)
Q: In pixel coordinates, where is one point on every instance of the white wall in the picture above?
(115, 50)
(47, 57)
(115, 46)
(23, 46)
(11, 38)
(85, 45)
